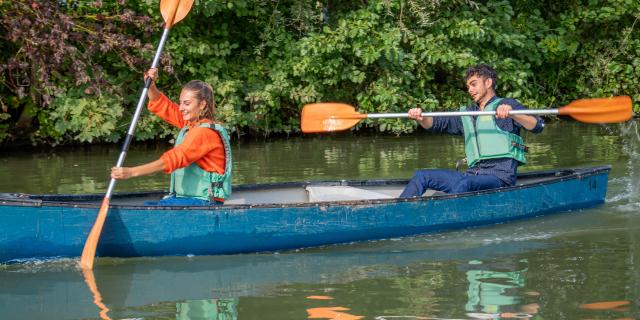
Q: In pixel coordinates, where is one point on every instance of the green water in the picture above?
(552, 267)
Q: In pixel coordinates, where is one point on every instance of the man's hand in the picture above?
(415, 113)
(502, 112)
(526, 121)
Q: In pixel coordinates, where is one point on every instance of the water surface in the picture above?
(577, 265)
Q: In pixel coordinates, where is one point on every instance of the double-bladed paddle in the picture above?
(327, 117)
(173, 11)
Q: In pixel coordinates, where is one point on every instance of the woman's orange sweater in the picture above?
(200, 145)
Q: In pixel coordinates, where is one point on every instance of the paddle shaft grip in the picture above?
(459, 113)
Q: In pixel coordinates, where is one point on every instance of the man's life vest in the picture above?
(483, 139)
(194, 182)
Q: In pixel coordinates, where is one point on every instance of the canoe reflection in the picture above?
(134, 287)
(210, 309)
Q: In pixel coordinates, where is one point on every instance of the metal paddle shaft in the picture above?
(459, 113)
(335, 116)
(172, 12)
(90, 246)
(136, 115)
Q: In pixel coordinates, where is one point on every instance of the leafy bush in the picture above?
(266, 59)
(80, 118)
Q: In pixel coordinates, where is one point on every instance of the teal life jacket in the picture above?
(194, 182)
(483, 139)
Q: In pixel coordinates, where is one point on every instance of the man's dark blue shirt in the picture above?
(503, 168)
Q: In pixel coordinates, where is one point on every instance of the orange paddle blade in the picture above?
(599, 110)
(174, 10)
(89, 251)
(326, 117)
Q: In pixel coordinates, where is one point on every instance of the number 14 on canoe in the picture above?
(328, 117)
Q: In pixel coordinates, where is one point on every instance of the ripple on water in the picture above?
(36, 265)
(629, 196)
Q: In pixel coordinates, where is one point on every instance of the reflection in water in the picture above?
(587, 259)
(403, 279)
(90, 280)
(210, 309)
(319, 297)
(331, 313)
(605, 305)
(495, 294)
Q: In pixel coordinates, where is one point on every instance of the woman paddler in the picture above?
(200, 161)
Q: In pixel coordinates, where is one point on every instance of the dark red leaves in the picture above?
(55, 44)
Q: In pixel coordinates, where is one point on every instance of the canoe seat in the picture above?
(433, 193)
(342, 193)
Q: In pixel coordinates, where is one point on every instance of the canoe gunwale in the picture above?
(559, 175)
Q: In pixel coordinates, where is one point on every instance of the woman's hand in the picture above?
(153, 92)
(121, 173)
(138, 171)
(151, 73)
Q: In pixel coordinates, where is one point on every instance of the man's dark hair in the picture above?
(483, 71)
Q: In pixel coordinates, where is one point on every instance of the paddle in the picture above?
(327, 117)
(172, 12)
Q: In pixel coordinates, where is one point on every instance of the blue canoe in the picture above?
(270, 217)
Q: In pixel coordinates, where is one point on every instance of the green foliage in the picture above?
(593, 51)
(4, 116)
(85, 119)
(266, 59)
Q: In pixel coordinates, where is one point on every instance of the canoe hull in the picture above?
(42, 229)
